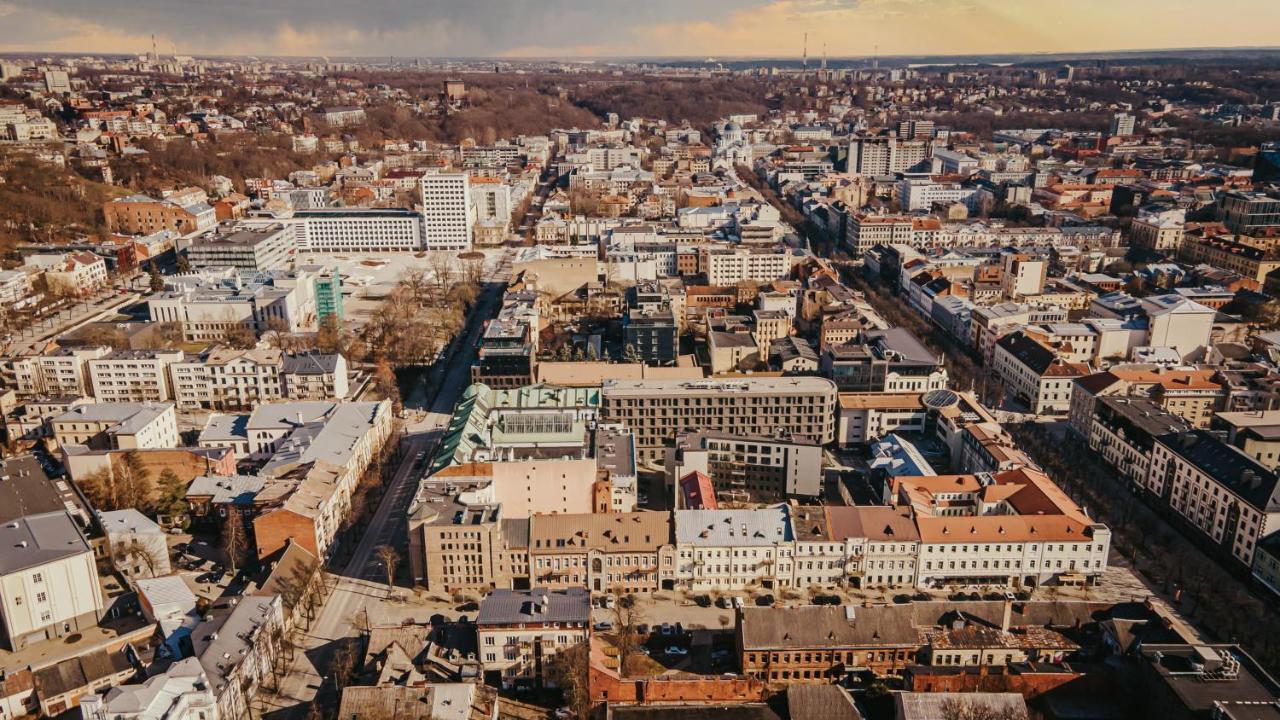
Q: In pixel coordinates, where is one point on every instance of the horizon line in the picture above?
(695, 58)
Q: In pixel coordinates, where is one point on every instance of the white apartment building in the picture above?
(491, 199)
(1228, 496)
(730, 267)
(15, 286)
(61, 373)
(228, 378)
(732, 550)
(447, 215)
(234, 651)
(920, 193)
(864, 231)
(79, 272)
(133, 375)
(48, 580)
(518, 631)
(135, 544)
(1033, 373)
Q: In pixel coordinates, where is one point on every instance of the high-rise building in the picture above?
(1122, 124)
(446, 210)
(57, 82)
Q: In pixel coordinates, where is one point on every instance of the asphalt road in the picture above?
(363, 580)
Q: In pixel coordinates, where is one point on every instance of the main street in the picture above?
(363, 580)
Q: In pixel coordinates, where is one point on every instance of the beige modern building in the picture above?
(659, 410)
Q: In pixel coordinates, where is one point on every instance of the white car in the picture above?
(676, 650)
(738, 601)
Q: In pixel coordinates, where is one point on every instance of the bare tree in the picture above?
(570, 671)
(968, 708)
(389, 558)
(342, 666)
(235, 540)
(626, 615)
(138, 553)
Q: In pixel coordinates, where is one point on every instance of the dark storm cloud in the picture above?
(447, 27)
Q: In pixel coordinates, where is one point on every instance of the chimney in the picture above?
(1008, 613)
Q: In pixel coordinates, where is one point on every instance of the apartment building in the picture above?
(865, 417)
(235, 651)
(447, 214)
(60, 373)
(1159, 232)
(136, 545)
(233, 379)
(1229, 254)
(1229, 497)
(619, 553)
(133, 375)
(731, 550)
(315, 376)
(1009, 528)
(518, 632)
(1192, 395)
(118, 426)
(227, 379)
(313, 455)
(891, 360)
(658, 410)
(730, 267)
(142, 215)
(1123, 432)
(864, 231)
(1256, 433)
(749, 468)
(880, 544)
(76, 273)
(1033, 373)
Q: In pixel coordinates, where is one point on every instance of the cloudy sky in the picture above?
(646, 28)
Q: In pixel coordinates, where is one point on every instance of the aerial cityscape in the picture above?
(743, 360)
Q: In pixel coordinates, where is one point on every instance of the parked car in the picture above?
(738, 601)
(603, 626)
(666, 630)
(723, 602)
(676, 650)
(764, 600)
(826, 599)
(702, 600)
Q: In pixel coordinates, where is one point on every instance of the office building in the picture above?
(658, 410)
(447, 214)
(258, 248)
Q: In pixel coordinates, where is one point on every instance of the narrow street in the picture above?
(362, 580)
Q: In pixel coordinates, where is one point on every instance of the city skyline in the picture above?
(611, 29)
